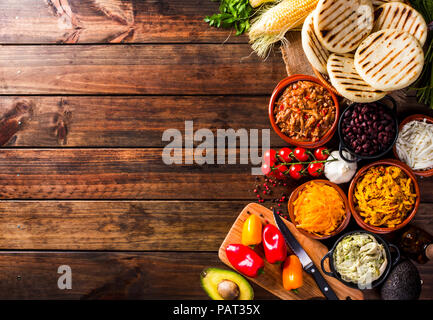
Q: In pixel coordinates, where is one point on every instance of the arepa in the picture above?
(316, 54)
(396, 15)
(389, 59)
(341, 25)
(346, 80)
(377, 3)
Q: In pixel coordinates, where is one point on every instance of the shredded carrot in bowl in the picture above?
(319, 209)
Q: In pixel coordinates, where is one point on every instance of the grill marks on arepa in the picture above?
(316, 54)
(347, 81)
(381, 2)
(396, 15)
(341, 25)
(389, 59)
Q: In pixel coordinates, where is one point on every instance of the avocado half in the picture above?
(221, 284)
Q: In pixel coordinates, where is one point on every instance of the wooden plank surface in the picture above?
(109, 21)
(95, 121)
(115, 174)
(116, 225)
(107, 275)
(137, 69)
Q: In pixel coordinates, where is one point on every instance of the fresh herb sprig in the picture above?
(233, 13)
(424, 85)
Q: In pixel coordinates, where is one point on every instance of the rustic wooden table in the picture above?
(88, 88)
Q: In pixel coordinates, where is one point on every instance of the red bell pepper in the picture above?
(274, 244)
(245, 260)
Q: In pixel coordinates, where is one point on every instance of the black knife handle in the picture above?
(321, 282)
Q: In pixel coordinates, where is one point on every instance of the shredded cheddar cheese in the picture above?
(319, 209)
(384, 196)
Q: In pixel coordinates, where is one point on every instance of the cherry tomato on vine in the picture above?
(266, 169)
(321, 153)
(282, 168)
(270, 157)
(300, 154)
(279, 173)
(315, 169)
(284, 154)
(295, 171)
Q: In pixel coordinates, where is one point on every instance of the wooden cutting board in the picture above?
(271, 278)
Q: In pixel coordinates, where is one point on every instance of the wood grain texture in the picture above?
(137, 69)
(109, 21)
(115, 174)
(107, 275)
(116, 225)
(123, 121)
(271, 278)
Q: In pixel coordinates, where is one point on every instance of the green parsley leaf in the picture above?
(233, 14)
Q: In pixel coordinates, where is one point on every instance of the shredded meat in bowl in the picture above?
(305, 111)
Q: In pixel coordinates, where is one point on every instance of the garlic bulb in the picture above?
(340, 171)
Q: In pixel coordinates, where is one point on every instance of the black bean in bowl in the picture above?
(368, 129)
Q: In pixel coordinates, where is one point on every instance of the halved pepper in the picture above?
(252, 231)
(274, 244)
(292, 273)
(245, 260)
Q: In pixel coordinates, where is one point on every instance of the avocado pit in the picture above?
(228, 290)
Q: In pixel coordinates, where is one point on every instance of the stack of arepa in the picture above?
(366, 48)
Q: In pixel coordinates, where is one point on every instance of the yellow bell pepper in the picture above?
(252, 231)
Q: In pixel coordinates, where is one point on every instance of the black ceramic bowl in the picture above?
(391, 262)
(345, 147)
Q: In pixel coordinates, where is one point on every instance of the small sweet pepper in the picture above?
(274, 244)
(252, 231)
(292, 273)
(245, 260)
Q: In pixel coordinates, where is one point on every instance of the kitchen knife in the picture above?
(306, 261)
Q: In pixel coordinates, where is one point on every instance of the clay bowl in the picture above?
(359, 219)
(279, 89)
(291, 210)
(419, 117)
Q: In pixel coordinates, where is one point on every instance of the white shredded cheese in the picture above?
(415, 145)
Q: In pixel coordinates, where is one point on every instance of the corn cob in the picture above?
(256, 3)
(272, 24)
